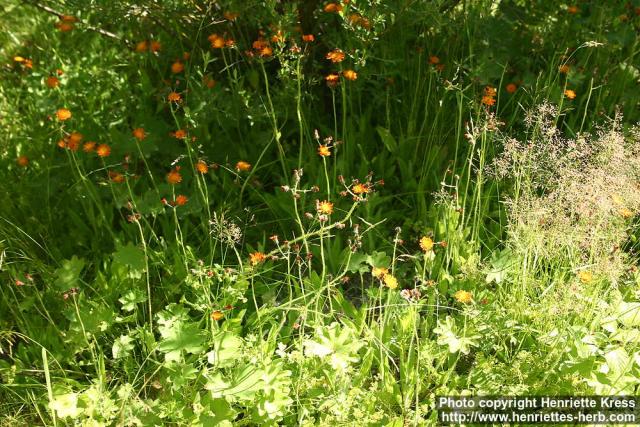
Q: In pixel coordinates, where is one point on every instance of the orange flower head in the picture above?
(174, 97)
(142, 46)
(75, 137)
(266, 51)
(73, 145)
(217, 315)
(209, 82)
(217, 42)
(256, 258)
(63, 114)
(564, 68)
(360, 188)
(62, 143)
(488, 100)
(69, 18)
(180, 134)
(116, 177)
(174, 177)
(490, 91)
(571, 94)
(103, 150)
(52, 82)
(433, 60)
(177, 67)
(259, 44)
(573, 9)
(308, 38)
(243, 166)
(626, 213)
(229, 42)
(333, 8)
(324, 151)
(335, 56)
(64, 26)
(324, 207)
(202, 167)
(22, 161)
(350, 75)
(155, 46)
(511, 88)
(426, 244)
(88, 146)
(181, 200)
(139, 134)
(332, 80)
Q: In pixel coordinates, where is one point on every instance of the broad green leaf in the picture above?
(68, 275)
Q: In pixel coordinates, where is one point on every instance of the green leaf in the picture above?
(131, 256)
(68, 275)
(131, 298)
(388, 139)
(629, 314)
(178, 335)
(122, 346)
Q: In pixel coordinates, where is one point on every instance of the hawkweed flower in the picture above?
(142, 46)
(570, 94)
(360, 188)
(426, 244)
(390, 281)
(308, 38)
(230, 16)
(324, 207)
(103, 150)
(116, 177)
(52, 82)
(155, 46)
(63, 114)
(243, 166)
(174, 97)
(433, 60)
(332, 80)
(139, 134)
(350, 75)
(490, 91)
(179, 134)
(488, 100)
(564, 68)
(332, 8)
(573, 9)
(202, 167)
(626, 213)
(22, 161)
(585, 277)
(217, 315)
(335, 56)
(379, 272)
(89, 146)
(463, 297)
(324, 150)
(511, 88)
(256, 258)
(177, 67)
(181, 200)
(174, 177)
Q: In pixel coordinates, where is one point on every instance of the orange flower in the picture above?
(209, 82)
(69, 18)
(626, 213)
(116, 177)
(216, 41)
(333, 8)
(433, 60)
(202, 167)
(488, 100)
(217, 315)
(243, 166)
(266, 51)
(229, 42)
(155, 46)
(360, 188)
(103, 150)
(177, 67)
(22, 161)
(181, 200)
(259, 44)
(75, 137)
(570, 94)
(511, 88)
(180, 134)
(350, 75)
(324, 151)
(230, 16)
(174, 176)
(490, 91)
(139, 134)
(278, 37)
(64, 26)
(52, 82)
(88, 146)
(564, 68)
(440, 67)
(335, 56)
(142, 46)
(308, 38)
(62, 143)
(73, 144)
(426, 244)
(325, 207)
(573, 9)
(63, 114)
(174, 97)
(332, 80)
(256, 258)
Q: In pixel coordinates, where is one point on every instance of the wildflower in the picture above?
(63, 114)
(488, 100)
(573, 9)
(360, 188)
(174, 97)
(52, 82)
(256, 258)
(511, 88)
(333, 8)
(433, 60)
(379, 272)
(564, 68)
(202, 167)
(490, 91)
(585, 277)
(174, 176)
(155, 46)
(324, 151)
(88, 146)
(243, 166)
(266, 51)
(103, 150)
(335, 56)
(390, 281)
(209, 82)
(73, 144)
(278, 37)
(116, 177)
(69, 18)
(332, 80)
(308, 38)
(325, 207)
(19, 59)
(217, 315)
(181, 200)
(139, 134)
(230, 16)
(142, 46)
(64, 26)
(259, 44)
(426, 244)
(180, 134)
(62, 143)
(570, 94)
(75, 137)
(177, 67)
(22, 161)
(350, 75)
(440, 67)
(463, 297)
(626, 213)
